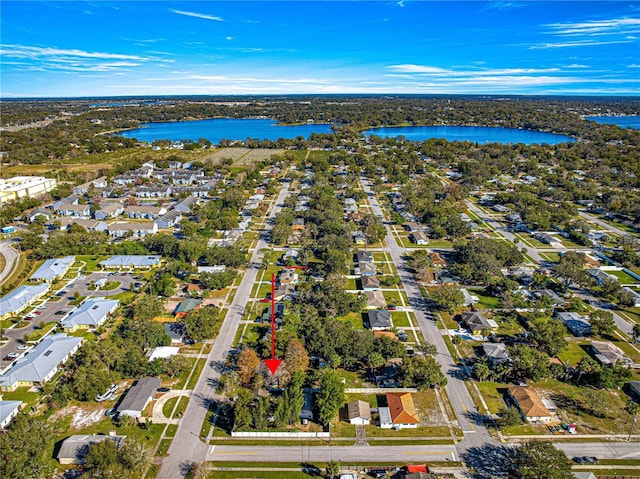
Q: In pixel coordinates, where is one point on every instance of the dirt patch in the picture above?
(171, 305)
(216, 302)
(80, 417)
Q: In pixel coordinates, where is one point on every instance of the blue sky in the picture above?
(111, 48)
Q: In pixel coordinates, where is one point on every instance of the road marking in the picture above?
(213, 448)
(473, 429)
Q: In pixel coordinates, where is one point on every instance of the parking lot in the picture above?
(56, 307)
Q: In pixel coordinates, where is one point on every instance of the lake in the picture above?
(623, 121)
(218, 129)
(479, 134)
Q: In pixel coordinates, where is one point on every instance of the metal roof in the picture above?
(131, 261)
(53, 268)
(93, 312)
(21, 298)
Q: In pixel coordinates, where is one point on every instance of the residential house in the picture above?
(548, 239)
(284, 292)
(419, 237)
(359, 412)
(375, 299)
(79, 211)
(608, 353)
(218, 268)
(531, 407)
(53, 269)
(400, 412)
(476, 321)
(91, 314)
(556, 300)
(187, 305)
(298, 224)
(359, 238)
(163, 352)
(277, 315)
(20, 299)
(144, 212)
(469, 299)
(437, 261)
(109, 211)
(366, 269)
(414, 227)
(169, 220)
(370, 283)
(153, 191)
(46, 214)
(634, 295)
(576, 324)
(63, 224)
(364, 257)
(600, 276)
(186, 204)
(379, 320)
(8, 410)
(138, 396)
(131, 262)
(634, 389)
(175, 331)
(135, 230)
(288, 276)
(74, 449)
(42, 362)
(291, 255)
(496, 353)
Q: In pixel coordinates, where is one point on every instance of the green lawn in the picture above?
(401, 320)
(623, 277)
(573, 352)
(487, 301)
(182, 379)
(196, 374)
(168, 406)
(491, 396)
(355, 319)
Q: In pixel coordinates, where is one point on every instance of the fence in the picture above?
(307, 435)
(379, 390)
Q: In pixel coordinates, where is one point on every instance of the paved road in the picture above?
(500, 228)
(187, 448)
(11, 257)
(346, 454)
(603, 224)
(469, 419)
(601, 450)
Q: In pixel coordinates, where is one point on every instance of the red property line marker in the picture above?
(273, 364)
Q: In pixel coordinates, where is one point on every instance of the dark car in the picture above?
(164, 390)
(378, 473)
(60, 312)
(591, 459)
(579, 460)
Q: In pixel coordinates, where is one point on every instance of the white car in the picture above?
(22, 347)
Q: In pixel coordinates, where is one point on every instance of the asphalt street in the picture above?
(469, 419)
(187, 448)
(10, 256)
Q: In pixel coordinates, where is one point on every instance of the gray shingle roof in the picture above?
(128, 261)
(139, 395)
(20, 298)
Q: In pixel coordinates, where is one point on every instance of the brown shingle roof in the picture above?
(528, 401)
(359, 409)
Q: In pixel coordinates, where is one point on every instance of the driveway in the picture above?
(11, 258)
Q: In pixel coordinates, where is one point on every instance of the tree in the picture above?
(333, 468)
(596, 400)
(331, 396)
(422, 372)
(102, 460)
(549, 335)
(147, 307)
(218, 280)
(374, 361)
(509, 416)
(632, 408)
(296, 357)
(610, 288)
(241, 413)
(540, 460)
(482, 371)
(570, 269)
(202, 323)
(635, 333)
(247, 364)
(602, 323)
(25, 448)
(586, 365)
(448, 297)
(529, 363)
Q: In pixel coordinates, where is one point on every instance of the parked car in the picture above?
(22, 347)
(60, 312)
(164, 390)
(111, 412)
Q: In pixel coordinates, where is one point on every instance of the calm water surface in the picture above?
(479, 134)
(623, 121)
(218, 129)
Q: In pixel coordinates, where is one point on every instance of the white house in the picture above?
(359, 412)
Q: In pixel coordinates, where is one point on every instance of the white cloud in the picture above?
(596, 27)
(577, 65)
(22, 51)
(633, 65)
(228, 38)
(426, 70)
(204, 16)
(577, 43)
